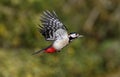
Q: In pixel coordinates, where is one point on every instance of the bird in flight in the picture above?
(54, 30)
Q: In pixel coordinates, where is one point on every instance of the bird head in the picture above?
(74, 35)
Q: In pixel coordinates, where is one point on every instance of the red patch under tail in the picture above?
(50, 50)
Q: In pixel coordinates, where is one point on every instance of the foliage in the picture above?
(95, 55)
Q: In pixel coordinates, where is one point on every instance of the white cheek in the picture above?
(73, 35)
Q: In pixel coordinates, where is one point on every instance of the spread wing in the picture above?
(50, 24)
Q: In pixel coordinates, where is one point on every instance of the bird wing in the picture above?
(50, 25)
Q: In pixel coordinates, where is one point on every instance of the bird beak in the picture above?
(80, 36)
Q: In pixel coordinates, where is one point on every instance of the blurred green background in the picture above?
(95, 55)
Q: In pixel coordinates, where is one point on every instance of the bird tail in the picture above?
(40, 51)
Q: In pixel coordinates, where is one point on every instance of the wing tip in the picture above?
(49, 14)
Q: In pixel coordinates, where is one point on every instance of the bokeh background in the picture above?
(95, 55)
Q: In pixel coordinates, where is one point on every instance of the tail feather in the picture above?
(38, 52)
(47, 49)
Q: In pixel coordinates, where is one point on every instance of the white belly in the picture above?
(59, 44)
(62, 39)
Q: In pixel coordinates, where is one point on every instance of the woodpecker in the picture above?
(54, 30)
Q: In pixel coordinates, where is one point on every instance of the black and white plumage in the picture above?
(54, 30)
(51, 24)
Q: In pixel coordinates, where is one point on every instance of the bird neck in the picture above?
(50, 49)
(71, 38)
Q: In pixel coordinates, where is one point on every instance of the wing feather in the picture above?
(50, 24)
